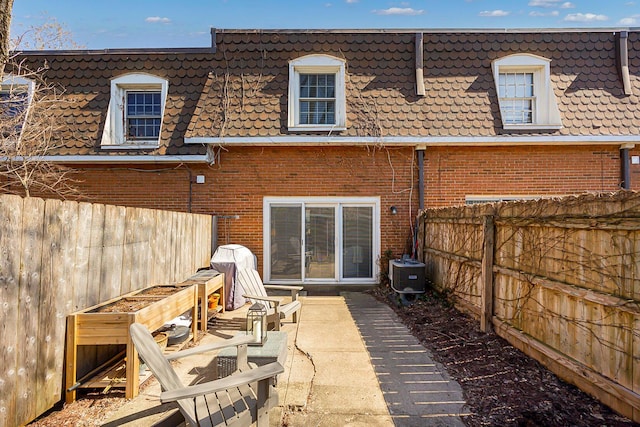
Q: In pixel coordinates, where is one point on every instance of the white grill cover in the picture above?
(230, 259)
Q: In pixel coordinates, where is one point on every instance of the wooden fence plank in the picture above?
(10, 224)
(144, 233)
(112, 252)
(160, 246)
(57, 261)
(130, 252)
(174, 240)
(635, 353)
(29, 303)
(81, 298)
(88, 355)
(487, 275)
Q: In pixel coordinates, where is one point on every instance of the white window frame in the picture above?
(12, 83)
(339, 203)
(317, 64)
(114, 134)
(545, 113)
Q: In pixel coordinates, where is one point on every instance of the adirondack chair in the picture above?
(241, 399)
(256, 291)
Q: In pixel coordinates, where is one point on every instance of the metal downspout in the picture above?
(623, 61)
(421, 178)
(419, 52)
(625, 175)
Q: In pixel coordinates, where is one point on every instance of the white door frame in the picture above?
(338, 202)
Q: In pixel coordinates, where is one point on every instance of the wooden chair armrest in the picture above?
(231, 342)
(274, 300)
(294, 289)
(284, 287)
(235, 380)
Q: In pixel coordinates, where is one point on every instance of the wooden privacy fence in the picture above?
(59, 257)
(559, 279)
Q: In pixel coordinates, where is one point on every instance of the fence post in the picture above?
(487, 274)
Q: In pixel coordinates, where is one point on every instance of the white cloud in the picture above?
(544, 3)
(157, 19)
(541, 14)
(352, 1)
(630, 3)
(567, 5)
(493, 13)
(585, 17)
(630, 20)
(398, 11)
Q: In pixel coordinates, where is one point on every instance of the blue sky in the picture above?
(98, 24)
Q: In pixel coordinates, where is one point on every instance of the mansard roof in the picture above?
(239, 87)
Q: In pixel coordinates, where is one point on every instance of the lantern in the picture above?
(257, 323)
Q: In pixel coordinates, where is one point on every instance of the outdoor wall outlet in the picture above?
(199, 179)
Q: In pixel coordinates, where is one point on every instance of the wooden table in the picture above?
(274, 350)
(208, 282)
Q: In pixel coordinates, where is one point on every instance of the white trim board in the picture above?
(418, 141)
(120, 159)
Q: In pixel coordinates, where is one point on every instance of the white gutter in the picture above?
(419, 142)
(115, 159)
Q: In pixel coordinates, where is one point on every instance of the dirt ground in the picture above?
(502, 386)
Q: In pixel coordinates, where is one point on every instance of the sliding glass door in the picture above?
(321, 240)
(357, 238)
(286, 242)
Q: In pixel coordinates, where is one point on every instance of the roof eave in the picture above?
(424, 141)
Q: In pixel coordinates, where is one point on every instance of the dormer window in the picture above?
(143, 115)
(136, 111)
(525, 93)
(15, 95)
(317, 94)
(516, 97)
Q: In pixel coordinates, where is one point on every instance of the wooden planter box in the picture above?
(208, 282)
(108, 323)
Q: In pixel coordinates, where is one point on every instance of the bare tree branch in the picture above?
(5, 24)
(30, 119)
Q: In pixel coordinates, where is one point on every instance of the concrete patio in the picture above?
(350, 362)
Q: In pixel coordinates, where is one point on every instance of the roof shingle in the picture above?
(241, 89)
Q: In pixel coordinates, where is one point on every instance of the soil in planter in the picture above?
(161, 290)
(126, 305)
(132, 303)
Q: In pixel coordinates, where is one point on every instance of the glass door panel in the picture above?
(357, 242)
(286, 242)
(320, 243)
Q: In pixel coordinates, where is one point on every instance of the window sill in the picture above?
(532, 127)
(320, 128)
(129, 146)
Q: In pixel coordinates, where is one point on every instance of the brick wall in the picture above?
(451, 173)
(243, 176)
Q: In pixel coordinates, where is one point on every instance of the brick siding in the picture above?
(243, 176)
(453, 173)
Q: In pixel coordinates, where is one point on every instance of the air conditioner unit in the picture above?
(407, 276)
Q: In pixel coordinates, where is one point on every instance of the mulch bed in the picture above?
(502, 386)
